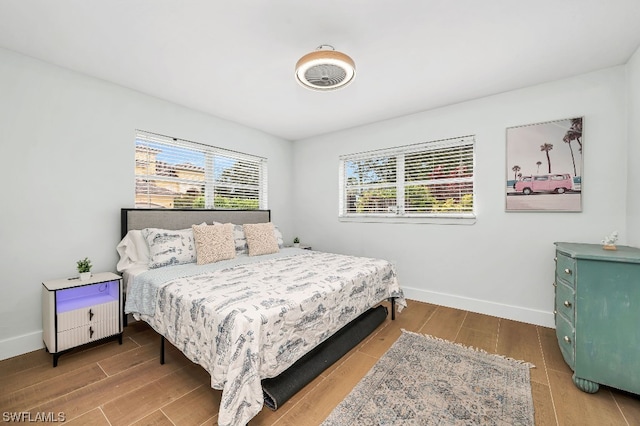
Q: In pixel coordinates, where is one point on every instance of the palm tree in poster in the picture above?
(546, 148)
(575, 132)
(515, 169)
(568, 141)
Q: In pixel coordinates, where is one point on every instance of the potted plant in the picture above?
(84, 268)
(296, 242)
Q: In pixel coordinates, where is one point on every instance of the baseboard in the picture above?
(19, 345)
(516, 313)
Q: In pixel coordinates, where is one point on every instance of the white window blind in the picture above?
(432, 179)
(174, 173)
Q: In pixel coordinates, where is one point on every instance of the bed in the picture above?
(244, 317)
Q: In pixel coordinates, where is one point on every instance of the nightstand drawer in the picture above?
(565, 301)
(87, 333)
(109, 311)
(566, 339)
(566, 268)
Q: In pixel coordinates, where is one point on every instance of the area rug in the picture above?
(423, 380)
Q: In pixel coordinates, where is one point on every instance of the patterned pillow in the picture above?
(168, 247)
(278, 236)
(261, 238)
(241, 240)
(214, 242)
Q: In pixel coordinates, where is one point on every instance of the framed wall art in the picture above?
(544, 166)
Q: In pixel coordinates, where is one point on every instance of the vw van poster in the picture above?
(544, 166)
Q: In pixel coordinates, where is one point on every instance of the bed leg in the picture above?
(393, 309)
(162, 350)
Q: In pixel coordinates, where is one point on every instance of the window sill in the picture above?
(450, 220)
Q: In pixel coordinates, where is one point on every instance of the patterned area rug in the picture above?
(422, 380)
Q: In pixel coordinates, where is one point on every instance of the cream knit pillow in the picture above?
(261, 238)
(214, 243)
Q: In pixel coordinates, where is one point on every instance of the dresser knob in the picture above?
(567, 271)
(90, 314)
(555, 259)
(567, 339)
(567, 303)
(554, 284)
(91, 332)
(555, 312)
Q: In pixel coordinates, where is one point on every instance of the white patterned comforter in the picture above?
(251, 321)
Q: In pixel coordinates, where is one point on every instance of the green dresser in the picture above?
(597, 314)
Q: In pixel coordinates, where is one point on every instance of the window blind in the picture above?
(432, 179)
(175, 173)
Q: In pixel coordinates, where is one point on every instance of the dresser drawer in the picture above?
(565, 301)
(566, 269)
(86, 333)
(109, 311)
(566, 334)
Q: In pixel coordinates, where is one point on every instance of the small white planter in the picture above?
(85, 275)
(296, 245)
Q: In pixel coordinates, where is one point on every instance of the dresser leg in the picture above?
(585, 385)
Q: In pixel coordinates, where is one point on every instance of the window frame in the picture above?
(211, 186)
(398, 214)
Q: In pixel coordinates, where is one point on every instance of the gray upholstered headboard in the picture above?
(184, 218)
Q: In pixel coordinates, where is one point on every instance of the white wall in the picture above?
(503, 264)
(633, 159)
(67, 152)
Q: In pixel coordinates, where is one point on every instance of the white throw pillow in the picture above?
(128, 253)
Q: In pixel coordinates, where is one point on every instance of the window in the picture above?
(427, 180)
(173, 173)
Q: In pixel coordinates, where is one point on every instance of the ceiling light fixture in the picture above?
(325, 69)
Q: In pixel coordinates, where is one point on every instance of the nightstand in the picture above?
(76, 312)
(303, 247)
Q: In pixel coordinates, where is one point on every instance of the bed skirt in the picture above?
(279, 389)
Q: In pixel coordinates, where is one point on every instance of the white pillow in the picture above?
(168, 247)
(133, 251)
(278, 236)
(128, 253)
(142, 248)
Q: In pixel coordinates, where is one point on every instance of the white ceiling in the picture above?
(235, 58)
